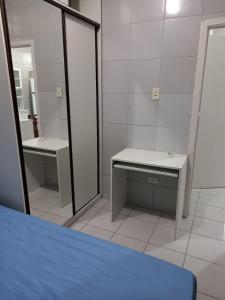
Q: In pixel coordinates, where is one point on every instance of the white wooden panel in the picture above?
(82, 90)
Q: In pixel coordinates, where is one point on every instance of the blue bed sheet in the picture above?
(43, 261)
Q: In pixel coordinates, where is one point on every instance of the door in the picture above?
(209, 168)
(81, 61)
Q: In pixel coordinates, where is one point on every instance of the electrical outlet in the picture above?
(153, 180)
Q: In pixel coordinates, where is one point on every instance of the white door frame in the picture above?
(197, 97)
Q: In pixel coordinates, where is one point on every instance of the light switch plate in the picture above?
(155, 94)
(59, 92)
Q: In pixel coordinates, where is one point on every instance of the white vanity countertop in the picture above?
(46, 144)
(151, 158)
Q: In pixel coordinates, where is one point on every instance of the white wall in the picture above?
(11, 188)
(145, 46)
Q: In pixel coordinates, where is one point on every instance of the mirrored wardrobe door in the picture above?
(36, 38)
(82, 88)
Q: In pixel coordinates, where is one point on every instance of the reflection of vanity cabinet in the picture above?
(39, 148)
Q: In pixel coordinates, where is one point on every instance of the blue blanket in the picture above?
(43, 261)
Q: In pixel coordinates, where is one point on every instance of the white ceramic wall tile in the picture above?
(115, 12)
(115, 108)
(144, 75)
(165, 237)
(175, 111)
(142, 110)
(210, 277)
(165, 254)
(48, 49)
(172, 140)
(181, 37)
(116, 42)
(177, 75)
(128, 242)
(210, 212)
(214, 6)
(48, 105)
(212, 200)
(21, 18)
(206, 248)
(209, 228)
(183, 8)
(51, 19)
(97, 232)
(141, 137)
(115, 77)
(50, 76)
(146, 10)
(107, 154)
(50, 128)
(137, 229)
(114, 136)
(146, 40)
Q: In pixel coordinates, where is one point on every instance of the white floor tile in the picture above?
(44, 203)
(37, 193)
(97, 232)
(128, 242)
(212, 200)
(193, 207)
(210, 277)
(146, 215)
(165, 254)
(36, 212)
(210, 212)
(204, 297)
(88, 215)
(103, 220)
(209, 228)
(186, 223)
(137, 229)
(101, 203)
(167, 220)
(53, 218)
(66, 211)
(206, 248)
(78, 226)
(195, 195)
(165, 237)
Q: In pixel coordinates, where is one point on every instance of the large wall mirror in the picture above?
(36, 39)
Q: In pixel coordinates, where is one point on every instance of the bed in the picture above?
(39, 261)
